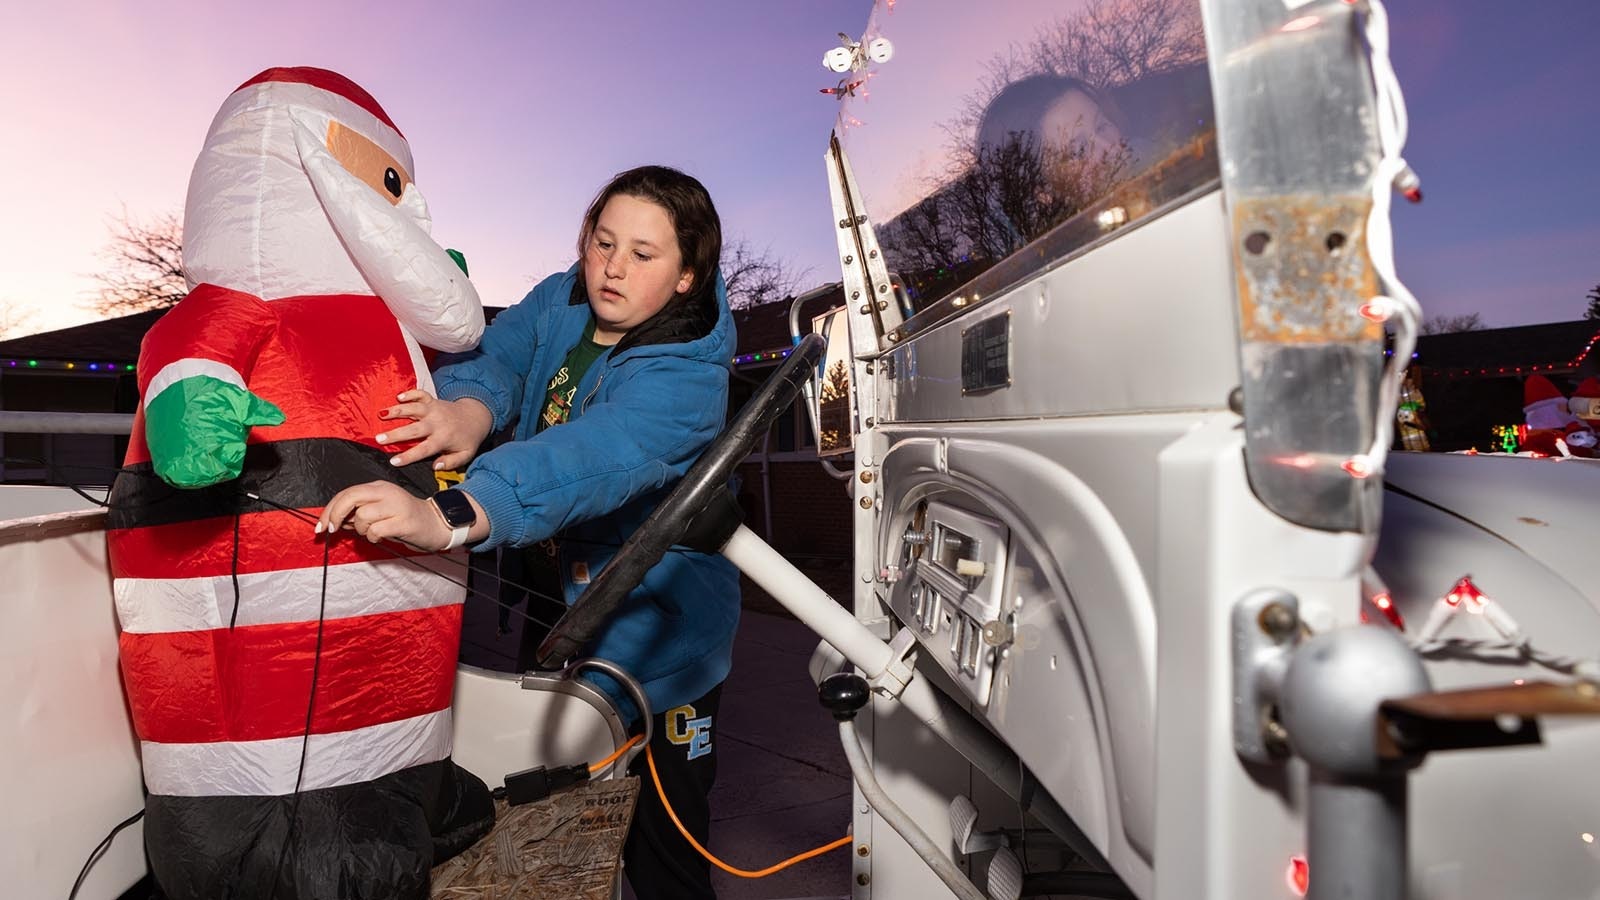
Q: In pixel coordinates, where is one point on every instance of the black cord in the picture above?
(412, 561)
(500, 581)
(302, 514)
(50, 467)
(305, 737)
(233, 571)
(99, 851)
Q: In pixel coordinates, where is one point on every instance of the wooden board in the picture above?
(565, 847)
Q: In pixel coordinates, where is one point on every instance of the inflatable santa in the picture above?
(1585, 403)
(291, 693)
(1552, 428)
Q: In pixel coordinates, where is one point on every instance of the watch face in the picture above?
(455, 506)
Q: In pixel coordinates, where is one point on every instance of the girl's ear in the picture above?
(685, 281)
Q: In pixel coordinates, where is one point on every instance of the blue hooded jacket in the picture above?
(645, 412)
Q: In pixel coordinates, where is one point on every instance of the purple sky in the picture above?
(518, 111)
(1505, 132)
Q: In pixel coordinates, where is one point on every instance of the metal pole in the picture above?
(1356, 807)
(15, 422)
(1357, 836)
(941, 715)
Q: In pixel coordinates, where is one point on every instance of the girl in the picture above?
(615, 374)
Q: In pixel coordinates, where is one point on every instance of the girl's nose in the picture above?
(616, 266)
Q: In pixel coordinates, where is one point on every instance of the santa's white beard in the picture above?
(1550, 413)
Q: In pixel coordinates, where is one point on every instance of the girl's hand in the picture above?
(448, 429)
(380, 510)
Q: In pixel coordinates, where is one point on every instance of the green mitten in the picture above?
(196, 430)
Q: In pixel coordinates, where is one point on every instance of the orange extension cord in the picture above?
(602, 765)
(742, 873)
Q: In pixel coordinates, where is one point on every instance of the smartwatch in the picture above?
(456, 509)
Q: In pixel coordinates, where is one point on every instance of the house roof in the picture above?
(107, 341)
(1549, 347)
(764, 329)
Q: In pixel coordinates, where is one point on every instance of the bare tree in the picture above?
(1110, 42)
(15, 319)
(755, 276)
(1450, 324)
(144, 265)
(994, 200)
(1593, 312)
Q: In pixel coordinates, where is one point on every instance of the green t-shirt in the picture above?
(535, 566)
(561, 392)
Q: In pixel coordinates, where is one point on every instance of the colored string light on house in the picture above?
(64, 365)
(763, 356)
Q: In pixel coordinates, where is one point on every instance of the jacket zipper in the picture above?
(582, 407)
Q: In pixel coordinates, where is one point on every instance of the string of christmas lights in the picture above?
(64, 365)
(763, 356)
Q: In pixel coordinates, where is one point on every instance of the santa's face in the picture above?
(362, 157)
(301, 191)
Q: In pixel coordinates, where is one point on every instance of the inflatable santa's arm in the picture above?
(193, 366)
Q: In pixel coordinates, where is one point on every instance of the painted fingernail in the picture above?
(318, 529)
(383, 438)
(394, 460)
(438, 467)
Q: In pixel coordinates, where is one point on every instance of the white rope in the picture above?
(1396, 305)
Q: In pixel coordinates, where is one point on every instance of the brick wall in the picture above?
(811, 513)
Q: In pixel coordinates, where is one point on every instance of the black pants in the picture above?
(659, 863)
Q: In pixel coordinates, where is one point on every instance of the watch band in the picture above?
(458, 537)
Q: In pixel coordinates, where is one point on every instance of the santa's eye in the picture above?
(391, 181)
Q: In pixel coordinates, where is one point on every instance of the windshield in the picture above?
(1032, 124)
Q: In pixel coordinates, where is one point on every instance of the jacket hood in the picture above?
(698, 326)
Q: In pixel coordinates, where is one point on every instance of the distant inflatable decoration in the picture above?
(291, 694)
(1553, 428)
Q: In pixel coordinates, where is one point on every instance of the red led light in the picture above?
(1298, 875)
(1375, 310)
(1391, 613)
(1356, 467)
(1465, 590)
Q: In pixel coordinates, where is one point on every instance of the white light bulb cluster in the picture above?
(853, 56)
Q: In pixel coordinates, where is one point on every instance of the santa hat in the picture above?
(332, 82)
(1543, 405)
(321, 96)
(1585, 403)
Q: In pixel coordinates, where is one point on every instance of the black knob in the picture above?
(843, 694)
